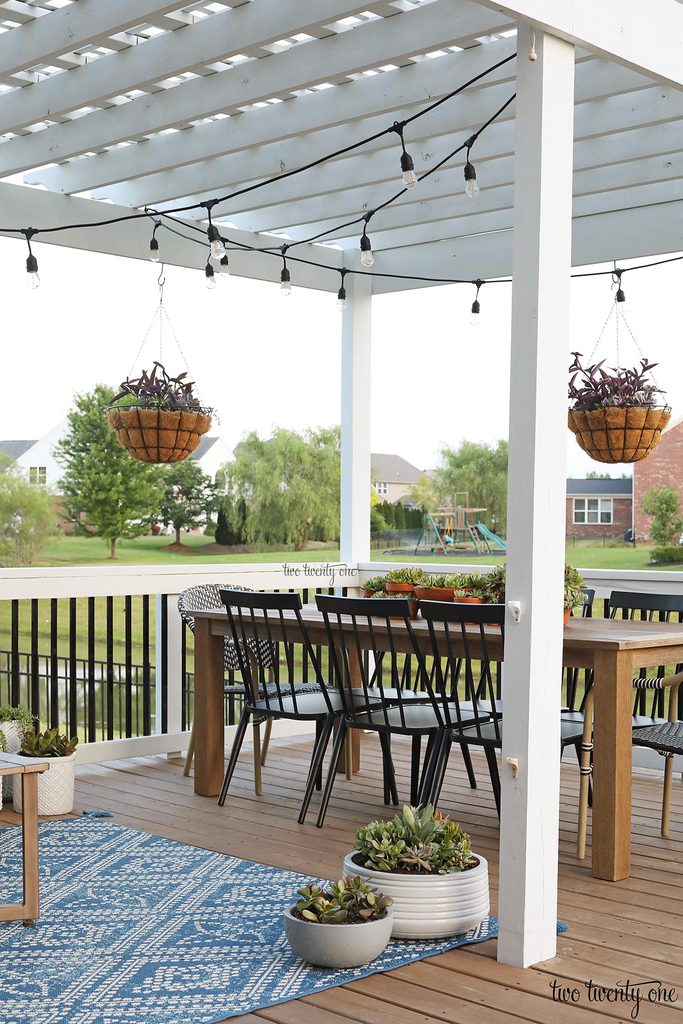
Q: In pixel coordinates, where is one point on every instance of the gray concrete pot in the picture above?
(338, 945)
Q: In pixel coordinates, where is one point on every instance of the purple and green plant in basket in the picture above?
(598, 387)
(158, 390)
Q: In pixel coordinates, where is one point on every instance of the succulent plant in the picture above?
(382, 594)
(495, 585)
(418, 840)
(348, 901)
(455, 580)
(573, 586)
(22, 717)
(620, 387)
(375, 583)
(437, 581)
(418, 577)
(157, 390)
(47, 744)
(3, 741)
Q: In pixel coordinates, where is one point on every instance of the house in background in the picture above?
(599, 508)
(393, 476)
(37, 460)
(662, 468)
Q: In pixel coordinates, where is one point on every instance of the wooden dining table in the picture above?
(615, 650)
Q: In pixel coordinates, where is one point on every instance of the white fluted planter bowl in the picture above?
(55, 787)
(338, 945)
(431, 906)
(12, 734)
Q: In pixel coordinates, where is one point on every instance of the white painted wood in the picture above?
(648, 37)
(355, 416)
(536, 501)
(174, 651)
(392, 40)
(141, 67)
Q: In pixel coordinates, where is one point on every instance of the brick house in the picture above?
(662, 468)
(599, 508)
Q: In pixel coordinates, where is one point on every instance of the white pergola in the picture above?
(142, 103)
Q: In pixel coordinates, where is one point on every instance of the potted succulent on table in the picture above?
(373, 586)
(158, 418)
(617, 414)
(345, 925)
(56, 786)
(424, 862)
(573, 588)
(404, 581)
(14, 721)
(435, 588)
(409, 597)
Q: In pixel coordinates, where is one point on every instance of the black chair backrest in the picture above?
(587, 606)
(630, 604)
(460, 637)
(360, 632)
(259, 621)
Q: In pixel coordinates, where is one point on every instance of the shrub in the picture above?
(663, 504)
(666, 554)
(419, 841)
(348, 901)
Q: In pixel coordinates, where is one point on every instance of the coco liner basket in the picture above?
(614, 434)
(158, 435)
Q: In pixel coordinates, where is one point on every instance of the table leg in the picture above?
(349, 762)
(612, 766)
(29, 824)
(209, 735)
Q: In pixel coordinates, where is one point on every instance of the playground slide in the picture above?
(493, 539)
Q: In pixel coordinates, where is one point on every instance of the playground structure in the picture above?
(456, 527)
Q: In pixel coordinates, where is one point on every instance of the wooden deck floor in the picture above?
(629, 930)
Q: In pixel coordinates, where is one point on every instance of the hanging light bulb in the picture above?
(285, 282)
(216, 242)
(471, 183)
(620, 295)
(366, 256)
(33, 281)
(154, 251)
(209, 275)
(341, 294)
(409, 176)
(476, 308)
(225, 266)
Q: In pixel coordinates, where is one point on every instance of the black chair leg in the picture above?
(434, 741)
(332, 771)
(469, 767)
(323, 730)
(390, 791)
(234, 754)
(493, 772)
(415, 764)
(440, 771)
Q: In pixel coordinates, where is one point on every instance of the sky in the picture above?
(262, 360)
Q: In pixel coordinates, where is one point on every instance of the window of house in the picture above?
(37, 475)
(593, 511)
(382, 488)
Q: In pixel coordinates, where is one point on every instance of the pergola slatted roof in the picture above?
(144, 104)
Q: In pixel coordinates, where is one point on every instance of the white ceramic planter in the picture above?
(12, 734)
(431, 906)
(338, 945)
(55, 787)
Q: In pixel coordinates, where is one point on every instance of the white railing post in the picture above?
(355, 418)
(172, 656)
(536, 500)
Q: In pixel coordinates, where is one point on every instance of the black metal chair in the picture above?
(360, 634)
(259, 621)
(470, 706)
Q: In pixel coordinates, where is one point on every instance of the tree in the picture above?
(423, 493)
(27, 517)
(105, 489)
(290, 484)
(188, 499)
(232, 519)
(479, 471)
(663, 504)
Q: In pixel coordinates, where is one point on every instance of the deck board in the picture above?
(628, 929)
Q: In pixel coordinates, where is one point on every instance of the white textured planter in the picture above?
(338, 945)
(12, 734)
(431, 906)
(55, 787)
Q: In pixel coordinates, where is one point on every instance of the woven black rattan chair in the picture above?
(257, 622)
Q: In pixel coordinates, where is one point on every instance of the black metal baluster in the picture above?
(146, 670)
(162, 670)
(35, 665)
(15, 686)
(54, 666)
(91, 694)
(128, 639)
(109, 716)
(73, 670)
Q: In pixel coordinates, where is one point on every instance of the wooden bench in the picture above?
(28, 768)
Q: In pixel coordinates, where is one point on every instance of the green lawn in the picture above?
(581, 555)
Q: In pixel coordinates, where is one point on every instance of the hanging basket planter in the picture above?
(157, 418)
(616, 416)
(619, 435)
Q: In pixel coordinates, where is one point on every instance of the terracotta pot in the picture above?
(619, 435)
(154, 435)
(368, 593)
(412, 613)
(400, 588)
(434, 593)
(567, 615)
(468, 600)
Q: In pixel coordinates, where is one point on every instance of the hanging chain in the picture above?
(604, 328)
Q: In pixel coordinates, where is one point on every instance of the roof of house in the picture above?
(394, 469)
(600, 487)
(206, 443)
(15, 449)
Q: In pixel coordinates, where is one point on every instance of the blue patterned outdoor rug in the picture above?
(136, 929)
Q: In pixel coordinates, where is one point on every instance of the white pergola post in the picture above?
(536, 500)
(355, 418)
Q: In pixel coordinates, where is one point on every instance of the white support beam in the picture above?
(140, 67)
(45, 38)
(335, 57)
(355, 416)
(529, 827)
(21, 206)
(645, 36)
